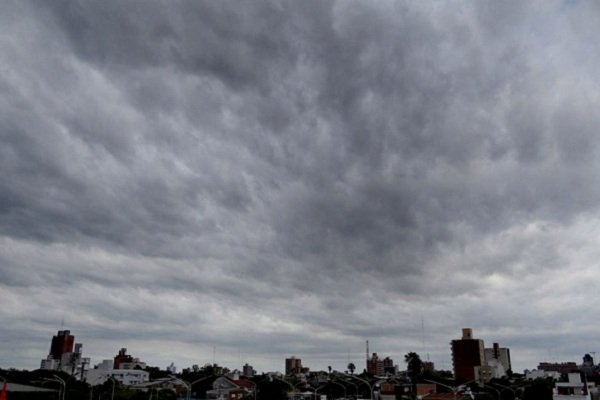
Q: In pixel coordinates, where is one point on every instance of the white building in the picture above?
(172, 369)
(577, 388)
(540, 373)
(105, 371)
(496, 368)
(499, 355)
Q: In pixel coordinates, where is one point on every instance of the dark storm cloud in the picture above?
(357, 165)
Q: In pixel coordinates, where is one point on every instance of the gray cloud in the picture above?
(296, 177)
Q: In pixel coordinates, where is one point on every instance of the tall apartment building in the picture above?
(500, 355)
(61, 343)
(63, 357)
(375, 365)
(293, 365)
(467, 356)
(388, 366)
(248, 371)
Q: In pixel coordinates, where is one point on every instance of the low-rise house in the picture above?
(225, 388)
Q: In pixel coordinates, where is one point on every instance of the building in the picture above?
(125, 361)
(428, 366)
(467, 354)
(538, 373)
(375, 365)
(172, 369)
(388, 366)
(105, 371)
(225, 388)
(389, 391)
(561, 368)
(61, 344)
(293, 365)
(498, 355)
(248, 371)
(121, 357)
(577, 388)
(63, 357)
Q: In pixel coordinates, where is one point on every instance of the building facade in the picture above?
(577, 388)
(467, 356)
(293, 365)
(561, 368)
(66, 355)
(61, 343)
(225, 388)
(500, 355)
(375, 365)
(248, 371)
(105, 371)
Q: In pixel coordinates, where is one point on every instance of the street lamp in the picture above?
(504, 387)
(355, 386)
(339, 384)
(294, 388)
(112, 393)
(317, 388)
(186, 384)
(495, 390)
(63, 386)
(454, 389)
(205, 378)
(364, 381)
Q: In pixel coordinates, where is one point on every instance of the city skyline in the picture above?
(63, 344)
(247, 181)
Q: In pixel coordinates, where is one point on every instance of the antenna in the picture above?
(367, 350)
(422, 334)
(423, 337)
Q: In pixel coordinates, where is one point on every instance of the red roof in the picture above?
(244, 383)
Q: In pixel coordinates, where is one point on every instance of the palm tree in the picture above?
(351, 368)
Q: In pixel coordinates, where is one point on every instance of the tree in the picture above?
(351, 368)
(540, 389)
(271, 389)
(414, 365)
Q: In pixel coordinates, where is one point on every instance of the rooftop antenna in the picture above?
(423, 337)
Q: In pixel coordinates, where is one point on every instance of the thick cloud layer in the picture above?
(241, 181)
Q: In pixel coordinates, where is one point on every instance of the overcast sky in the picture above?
(245, 181)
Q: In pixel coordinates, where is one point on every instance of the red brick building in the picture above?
(61, 343)
(467, 353)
